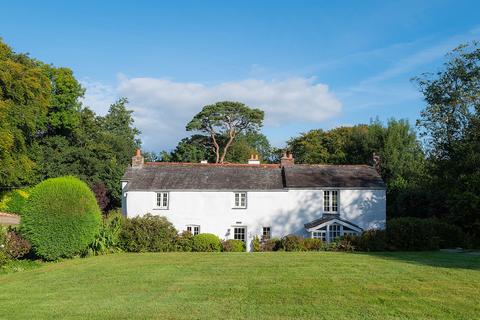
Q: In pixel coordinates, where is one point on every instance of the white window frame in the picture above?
(244, 233)
(237, 200)
(162, 200)
(331, 201)
(194, 229)
(324, 232)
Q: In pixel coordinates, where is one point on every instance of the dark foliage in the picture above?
(101, 194)
(15, 245)
(273, 244)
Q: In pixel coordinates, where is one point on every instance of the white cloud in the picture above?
(163, 107)
(98, 96)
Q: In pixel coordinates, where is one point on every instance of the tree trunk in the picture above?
(217, 147)
(226, 147)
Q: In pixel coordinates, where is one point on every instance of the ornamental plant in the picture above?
(60, 218)
(206, 242)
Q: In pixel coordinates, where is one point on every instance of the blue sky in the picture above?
(308, 64)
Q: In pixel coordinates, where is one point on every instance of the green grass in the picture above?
(323, 285)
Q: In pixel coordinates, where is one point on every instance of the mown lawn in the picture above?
(324, 285)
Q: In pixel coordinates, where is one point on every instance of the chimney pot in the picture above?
(287, 159)
(137, 160)
(253, 159)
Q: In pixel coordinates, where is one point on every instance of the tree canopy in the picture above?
(224, 121)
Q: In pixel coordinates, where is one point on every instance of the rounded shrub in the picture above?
(60, 218)
(206, 242)
(232, 245)
(293, 243)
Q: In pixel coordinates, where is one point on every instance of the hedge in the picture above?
(206, 242)
(148, 234)
(232, 245)
(60, 218)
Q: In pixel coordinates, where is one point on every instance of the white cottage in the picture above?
(240, 201)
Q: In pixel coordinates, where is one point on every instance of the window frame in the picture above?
(244, 233)
(266, 233)
(240, 194)
(164, 197)
(331, 201)
(194, 227)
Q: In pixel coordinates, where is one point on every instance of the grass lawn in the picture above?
(323, 285)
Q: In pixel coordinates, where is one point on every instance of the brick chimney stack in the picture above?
(287, 159)
(138, 160)
(254, 159)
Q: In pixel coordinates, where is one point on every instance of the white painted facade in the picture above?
(285, 211)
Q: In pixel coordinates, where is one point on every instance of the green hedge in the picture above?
(206, 242)
(61, 218)
(148, 234)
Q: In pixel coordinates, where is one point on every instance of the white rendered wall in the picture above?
(285, 211)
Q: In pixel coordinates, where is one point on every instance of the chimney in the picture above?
(254, 159)
(287, 159)
(137, 160)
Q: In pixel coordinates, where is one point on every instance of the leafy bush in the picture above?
(408, 233)
(14, 201)
(15, 245)
(3, 258)
(108, 237)
(273, 244)
(371, 240)
(293, 243)
(256, 244)
(232, 245)
(206, 242)
(312, 244)
(148, 234)
(341, 244)
(61, 218)
(184, 241)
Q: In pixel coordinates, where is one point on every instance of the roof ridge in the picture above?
(197, 164)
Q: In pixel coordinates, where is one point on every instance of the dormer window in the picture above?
(240, 200)
(330, 201)
(162, 200)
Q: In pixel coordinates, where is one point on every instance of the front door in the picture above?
(239, 233)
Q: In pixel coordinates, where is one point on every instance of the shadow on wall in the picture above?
(438, 259)
(309, 207)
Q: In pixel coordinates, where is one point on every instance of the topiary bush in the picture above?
(60, 218)
(206, 242)
(232, 245)
(148, 234)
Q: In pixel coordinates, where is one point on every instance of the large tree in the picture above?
(224, 121)
(450, 124)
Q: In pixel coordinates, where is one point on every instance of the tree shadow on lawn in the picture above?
(439, 259)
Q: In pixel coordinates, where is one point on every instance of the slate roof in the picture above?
(326, 218)
(332, 176)
(176, 176)
(195, 176)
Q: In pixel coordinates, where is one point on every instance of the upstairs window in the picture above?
(193, 229)
(266, 233)
(240, 200)
(162, 200)
(330, 201)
